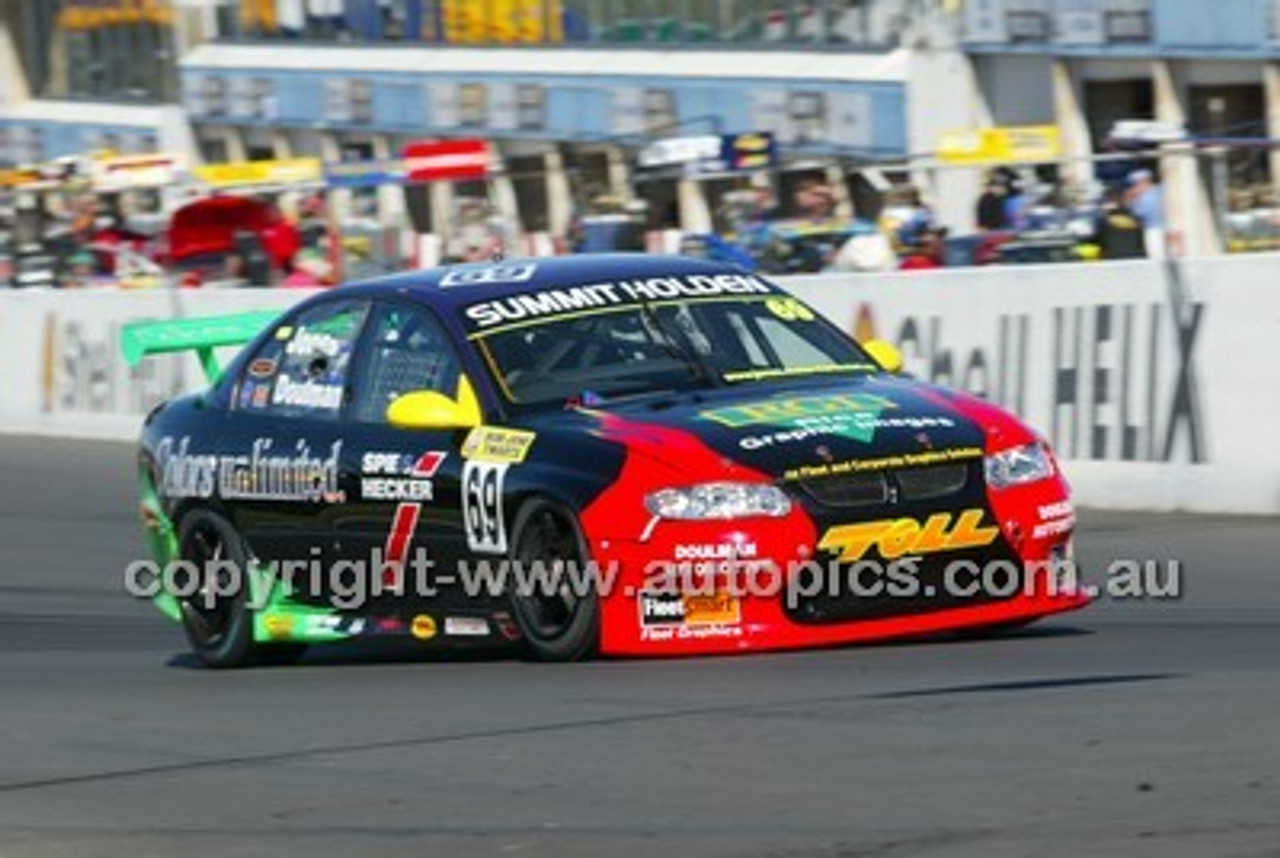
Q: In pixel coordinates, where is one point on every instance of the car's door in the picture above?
(403, 517)
(283, 443)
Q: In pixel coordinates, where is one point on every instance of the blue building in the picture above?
(1095, 67)
(567, 93)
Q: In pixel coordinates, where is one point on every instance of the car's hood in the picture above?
(794, 429)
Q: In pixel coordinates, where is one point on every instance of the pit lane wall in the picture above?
(1158, 384)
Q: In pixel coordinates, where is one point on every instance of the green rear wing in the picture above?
(141, 339)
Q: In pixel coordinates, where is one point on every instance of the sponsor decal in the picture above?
(716, 551)
(662, 609)
(387, 626)
(482, 510)
(309, 343)
(797, 371)
(399, 476)
(307, 394)
(848, 415)
(1056, 519)
(284, 332)
(497, 444)
(466, 627)
(557, 302)
(473, 275)
(899, 537)
(262, 368)
(279, 627)
(396, 489)
(1056, 510)
(507, 626)
(261, 395)
(404, 522)
(336, 624)
(423, 627)
(884, 463)
(789, 310)
(677, 616)
(864, 422)
(260, 474)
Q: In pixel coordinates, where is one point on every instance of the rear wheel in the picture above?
(555, 603)
(217, 615)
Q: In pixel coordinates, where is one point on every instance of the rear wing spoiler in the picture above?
(141, 339)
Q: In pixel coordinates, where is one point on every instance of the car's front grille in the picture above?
(905, 485)
(939, 481)
(847, 490)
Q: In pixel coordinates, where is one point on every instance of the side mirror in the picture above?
(427, 409)
(884, 353)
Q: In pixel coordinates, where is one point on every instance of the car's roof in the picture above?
(452, 286)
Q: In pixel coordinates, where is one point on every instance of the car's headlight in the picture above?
(719, 500)
(1018, 466)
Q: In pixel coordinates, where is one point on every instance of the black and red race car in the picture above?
(627, 455)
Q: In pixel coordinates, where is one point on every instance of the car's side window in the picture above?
(301, 371)
(407, 349)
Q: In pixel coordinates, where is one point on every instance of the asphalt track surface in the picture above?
(1134, 728)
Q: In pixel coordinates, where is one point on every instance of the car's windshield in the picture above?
(641, 348)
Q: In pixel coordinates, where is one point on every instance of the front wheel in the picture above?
(553, 593)
(217, 615)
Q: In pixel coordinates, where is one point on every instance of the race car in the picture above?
(625, 455)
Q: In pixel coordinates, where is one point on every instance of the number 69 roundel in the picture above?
(482, 506)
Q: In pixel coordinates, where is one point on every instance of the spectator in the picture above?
(1146, 199)
(814, 200)
(1118, 232)
(928, 253)
(991, 214)
(1015, 205)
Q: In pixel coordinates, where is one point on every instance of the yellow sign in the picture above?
(281, 172)
(502, 22)
(1026, 144)
(897, 537)
(496, 444)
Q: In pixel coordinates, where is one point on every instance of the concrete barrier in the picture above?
(1158, 384)
(63, 371)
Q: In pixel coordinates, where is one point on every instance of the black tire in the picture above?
(562, 626)
(220, 628)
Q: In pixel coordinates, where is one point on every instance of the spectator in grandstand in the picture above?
(306, 271)
(1146, 199)
(1015, 202)
(814, 199)
(905, 218)
(991, 213)
(928, 252)
(1118, 231)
